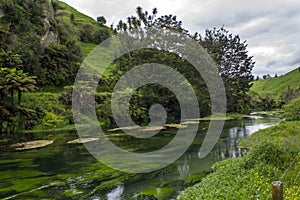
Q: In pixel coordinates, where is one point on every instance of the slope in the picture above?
(278, 85)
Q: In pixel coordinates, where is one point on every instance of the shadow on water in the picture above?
(68, 171)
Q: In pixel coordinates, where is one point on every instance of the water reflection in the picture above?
(73, 162)
(230, 149)
(184, 168)
(116, 193)
(191, 164)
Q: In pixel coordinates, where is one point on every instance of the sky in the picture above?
(270, 27)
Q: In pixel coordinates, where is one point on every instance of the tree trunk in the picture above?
(12, 96)
(19, 97)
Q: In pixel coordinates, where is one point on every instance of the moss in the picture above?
(195, 178)
(157, 193)
(72, 193)
(28, 184)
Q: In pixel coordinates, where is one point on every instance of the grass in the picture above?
(63, 13)
(65, 10)
(286, 134)
(277, 86)
(273, 155)
(87, 48)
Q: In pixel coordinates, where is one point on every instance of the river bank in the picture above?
(273, 155)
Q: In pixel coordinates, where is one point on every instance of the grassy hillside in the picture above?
(79, 23)
(277, 86)
(65, 10)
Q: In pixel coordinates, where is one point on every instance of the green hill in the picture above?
(278, 85)
(42, 46)
(82, 24)
(50, 37)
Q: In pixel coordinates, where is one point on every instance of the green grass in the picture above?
(274, 155)
(63, 14)
(277, 86)
(86, 48)
(286, 134)
(65, 10)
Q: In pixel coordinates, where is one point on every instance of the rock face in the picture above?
(50, 36)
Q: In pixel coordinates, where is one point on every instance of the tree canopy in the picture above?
(227, 50)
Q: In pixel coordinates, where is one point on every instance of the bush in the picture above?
(292, 110)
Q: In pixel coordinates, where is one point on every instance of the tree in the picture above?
(86, 33)
(235, 66)
(14, 116)
(227, 50)
(101, 35)
(60, 64)
(156, 93)
(101, 20)
(12, 80)
(72, 17)
(10, 60)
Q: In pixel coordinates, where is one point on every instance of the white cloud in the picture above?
(271, 27)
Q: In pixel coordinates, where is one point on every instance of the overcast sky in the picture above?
(271, 27)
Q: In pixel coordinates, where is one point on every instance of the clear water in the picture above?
(64, 171)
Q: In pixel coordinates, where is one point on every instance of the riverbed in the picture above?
(65, 170)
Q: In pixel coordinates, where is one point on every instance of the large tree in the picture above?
(227, 50)
(234, 63)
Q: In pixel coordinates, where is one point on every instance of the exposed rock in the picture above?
(31, 145)
(178, 126)
(133, 128)
(49, 36)
(190, 122)
(129, 128)
(82, 140)
(153, 128)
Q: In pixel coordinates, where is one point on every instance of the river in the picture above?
(68, 171)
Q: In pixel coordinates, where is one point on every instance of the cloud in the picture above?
(271, 27)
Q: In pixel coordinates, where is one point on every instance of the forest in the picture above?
(36, 56)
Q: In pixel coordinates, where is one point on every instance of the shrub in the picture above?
(292, 110)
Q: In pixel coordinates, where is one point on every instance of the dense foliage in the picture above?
(292, 110)
(235, 66)
(227, 50)
(50, 39)
(40, 47)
